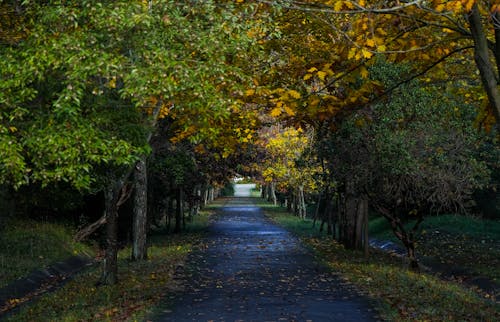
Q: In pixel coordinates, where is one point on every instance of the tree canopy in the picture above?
(359, 102)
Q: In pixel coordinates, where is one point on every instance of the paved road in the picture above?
(254, 270)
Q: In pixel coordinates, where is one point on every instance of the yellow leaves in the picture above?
(370, 42)
(495, 8)
(352, 53)
(322, 75)
(468, 4)
(112, 82)
(456, 6)
(280, 108)
(294, 94)
(359, 54)
(250, 92)
(363, 72)
(289, 111)
(275, 112)
(338, 5)
(366, 53)
(349, 4)
(164, 111)
(440, 7)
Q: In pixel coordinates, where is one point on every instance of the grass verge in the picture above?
(141, 284)
(464, 241)
(28, 245)
(402, 295)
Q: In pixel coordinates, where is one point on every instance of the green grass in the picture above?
(28, 245)
(141, 284)
(255, 193)
(473, 227)
(463, 241)
(400, 294)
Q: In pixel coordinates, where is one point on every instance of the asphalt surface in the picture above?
(253, 270)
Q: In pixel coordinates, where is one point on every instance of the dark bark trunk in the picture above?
(328, 216)
(353, 219)
(399, 230)
(481, 56)
(348, 223)
(124, 193)
(366, 237)
(361, 222)
(179, 211)
(412, 257)
(110, 268)
(316, 211)
(139, 231)
(334, 215)
(88, 230)
(289, 199)
(263, 191)
(170, 212)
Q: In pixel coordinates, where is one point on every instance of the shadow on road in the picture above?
(253, 270)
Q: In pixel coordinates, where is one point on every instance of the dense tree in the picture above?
(411, 155)
(81, 68)
(432, 33)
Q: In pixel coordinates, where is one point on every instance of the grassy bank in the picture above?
(401, 295)
(27, 245)
(141, 284)
(464, 241)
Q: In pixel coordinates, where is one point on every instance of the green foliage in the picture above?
(81, 88)
(417, 150)
(227, 190)
(178, 167)
(29, 245)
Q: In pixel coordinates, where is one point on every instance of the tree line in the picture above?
(152, 106)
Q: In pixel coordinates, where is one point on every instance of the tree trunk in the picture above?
(316, 211)
(302, 203)
(205, 196)
(366, 241)
(110, 270)
(272, 193)
(361, 223)
(348, 237)
(211, 194)
(328, 216)
(139, 231)
(412, 257)
(289, 198)
(170, 212)
(179, 211)
(481, 56)
(399, 230)
(352, 219)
